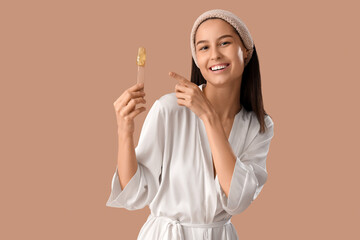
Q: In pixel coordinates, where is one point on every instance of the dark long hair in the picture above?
(250, 89)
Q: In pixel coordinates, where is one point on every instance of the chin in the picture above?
(218, 81)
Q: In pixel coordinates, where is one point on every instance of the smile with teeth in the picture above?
(219, 67)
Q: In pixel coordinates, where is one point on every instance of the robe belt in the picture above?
(179, 234)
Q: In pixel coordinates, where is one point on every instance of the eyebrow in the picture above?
(223, 36)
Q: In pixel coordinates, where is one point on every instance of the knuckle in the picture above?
(127, 118)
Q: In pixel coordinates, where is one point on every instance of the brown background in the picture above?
(64, 63)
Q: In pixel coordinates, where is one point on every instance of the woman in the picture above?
(201, 156)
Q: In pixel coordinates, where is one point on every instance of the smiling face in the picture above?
(217, 44)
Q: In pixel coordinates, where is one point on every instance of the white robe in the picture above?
(175, 174)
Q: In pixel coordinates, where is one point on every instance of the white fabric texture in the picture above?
(175, 174)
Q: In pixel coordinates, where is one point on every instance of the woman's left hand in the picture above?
(191, 96)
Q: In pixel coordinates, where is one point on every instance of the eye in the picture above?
(202, 48)
(225, 42)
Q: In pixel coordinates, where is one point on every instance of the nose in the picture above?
(215, 53)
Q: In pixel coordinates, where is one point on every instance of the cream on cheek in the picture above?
(236, 57)
(241, 53)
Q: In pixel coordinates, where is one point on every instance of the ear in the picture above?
(246, 54)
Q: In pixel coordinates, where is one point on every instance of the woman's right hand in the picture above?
(125, 108)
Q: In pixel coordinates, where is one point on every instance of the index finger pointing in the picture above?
(178, 77)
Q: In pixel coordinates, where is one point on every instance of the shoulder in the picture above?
(169, 104)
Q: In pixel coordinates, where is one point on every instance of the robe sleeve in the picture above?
(249, 175)
(144, 185)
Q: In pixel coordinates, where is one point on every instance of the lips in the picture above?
(220, 64)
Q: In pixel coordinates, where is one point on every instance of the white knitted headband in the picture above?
(232, 19)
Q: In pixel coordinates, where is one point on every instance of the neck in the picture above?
(224, 99)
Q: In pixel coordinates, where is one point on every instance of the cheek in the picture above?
(239, 55)
(202, 66)
(199, 59)
(237, 59)
(201, 62)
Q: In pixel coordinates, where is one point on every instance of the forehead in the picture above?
(213, 27)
